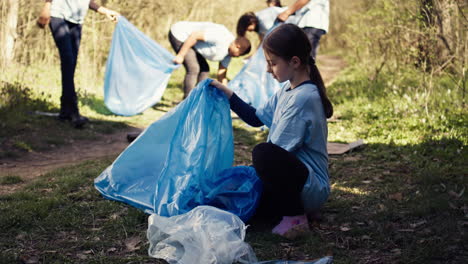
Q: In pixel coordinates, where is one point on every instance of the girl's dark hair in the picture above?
(287, 41)
(276, 2)
(245, 21)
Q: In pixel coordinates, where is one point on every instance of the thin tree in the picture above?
(8, 31)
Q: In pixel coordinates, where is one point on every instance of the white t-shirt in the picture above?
(217, 39)
(314, 14)
(71, 10)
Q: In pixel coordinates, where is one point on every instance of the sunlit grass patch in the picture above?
(350, 190)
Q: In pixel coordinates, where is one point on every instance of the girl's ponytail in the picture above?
(316, 78)
(287, 41)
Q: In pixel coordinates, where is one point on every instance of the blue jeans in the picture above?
(67, 37)
(314, 35)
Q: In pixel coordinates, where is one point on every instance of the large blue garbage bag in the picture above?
(176, 163)
(253, 83)
(137, 71)
(236, 190)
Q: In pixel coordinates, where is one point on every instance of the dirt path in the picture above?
(329, 67)
(34, 164)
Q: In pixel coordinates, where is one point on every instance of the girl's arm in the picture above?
(228, 92)
(241, 108)
(291, 9)
(188, 44)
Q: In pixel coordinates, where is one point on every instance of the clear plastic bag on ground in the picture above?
(205, 235)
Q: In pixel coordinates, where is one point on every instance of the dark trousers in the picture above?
(196, 66)
(283, 176)
(67, 37)
(314, 35)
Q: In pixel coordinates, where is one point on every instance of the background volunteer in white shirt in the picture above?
(195, 42)
(313, 18)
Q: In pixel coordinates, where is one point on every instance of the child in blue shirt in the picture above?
(293, 163)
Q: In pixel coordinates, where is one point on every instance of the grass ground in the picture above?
(398, 199)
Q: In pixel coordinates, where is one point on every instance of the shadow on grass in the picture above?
(172, 96)
(96, 104)
(387, 205)
(29, 123)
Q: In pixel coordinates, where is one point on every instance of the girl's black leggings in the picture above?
(283, 176)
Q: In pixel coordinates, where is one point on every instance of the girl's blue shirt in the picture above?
(298, 124)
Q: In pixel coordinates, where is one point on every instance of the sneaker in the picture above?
(78, 121)
(292, 226)
(64, 118)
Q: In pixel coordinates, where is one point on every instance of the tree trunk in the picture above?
(426, 40)
(8, 32)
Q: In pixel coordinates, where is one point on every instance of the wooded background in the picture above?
(379, 35)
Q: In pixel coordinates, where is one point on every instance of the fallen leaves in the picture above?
(418, 224)
(456, 195)
(396, 196)
(111, 250)
(29, 259)
(345, 228)
(131, 243)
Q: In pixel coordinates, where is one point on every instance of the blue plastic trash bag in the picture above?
(253, 83)
(137, 71)
(236, 190)
(173, 166)
(204, 235)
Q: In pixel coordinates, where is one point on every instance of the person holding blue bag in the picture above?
(195, 42)
(65, 18)
(313, 18)
(293, 163)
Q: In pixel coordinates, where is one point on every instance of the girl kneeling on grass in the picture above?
(293, 164)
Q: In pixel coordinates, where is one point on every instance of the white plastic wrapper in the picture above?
(203, 235)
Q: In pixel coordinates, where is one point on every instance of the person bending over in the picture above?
(196, 42)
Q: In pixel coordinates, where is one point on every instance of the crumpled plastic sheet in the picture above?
(184, 160)
(137, 71)
(204, 235)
